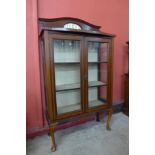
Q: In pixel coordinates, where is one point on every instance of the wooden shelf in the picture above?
(97, 62)
(96, 83)
(96, 103)
(61, 63)
(69, 108)
(77, 85)
(67, 86)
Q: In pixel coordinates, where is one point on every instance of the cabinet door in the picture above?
(67, 61)
(97, 71)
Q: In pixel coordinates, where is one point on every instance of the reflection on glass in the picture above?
(67, 75)
(68, 101)
(97, 73)
(98, 52)
(66, 51)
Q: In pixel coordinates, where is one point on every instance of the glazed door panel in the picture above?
(97, 72)
(67, 61)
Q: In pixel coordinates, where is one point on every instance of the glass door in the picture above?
(97, 57)
(67, 55)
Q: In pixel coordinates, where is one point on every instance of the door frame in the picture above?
(52, 37)
(109, 74)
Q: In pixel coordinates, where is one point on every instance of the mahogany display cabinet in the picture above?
(76, 61)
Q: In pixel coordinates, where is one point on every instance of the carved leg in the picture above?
(109, 119)
(98, 117)
(52, 129)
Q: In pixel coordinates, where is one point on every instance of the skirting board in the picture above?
(117, 107)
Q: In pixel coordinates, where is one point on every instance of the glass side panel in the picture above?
(67, 75)
(97, 73)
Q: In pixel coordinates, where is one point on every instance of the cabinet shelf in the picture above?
(96, 103)
(77, 85)
(96, 83)
(97, 62)
(67, 63)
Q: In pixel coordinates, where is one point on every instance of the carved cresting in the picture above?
(72, 26)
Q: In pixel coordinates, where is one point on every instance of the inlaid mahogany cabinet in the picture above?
(76, 61)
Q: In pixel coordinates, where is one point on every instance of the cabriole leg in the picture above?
(109, 119)
(52, 130)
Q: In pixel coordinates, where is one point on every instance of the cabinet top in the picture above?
(68, 24)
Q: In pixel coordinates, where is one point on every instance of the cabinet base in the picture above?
(53, 126)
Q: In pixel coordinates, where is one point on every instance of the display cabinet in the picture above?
(76, 61)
